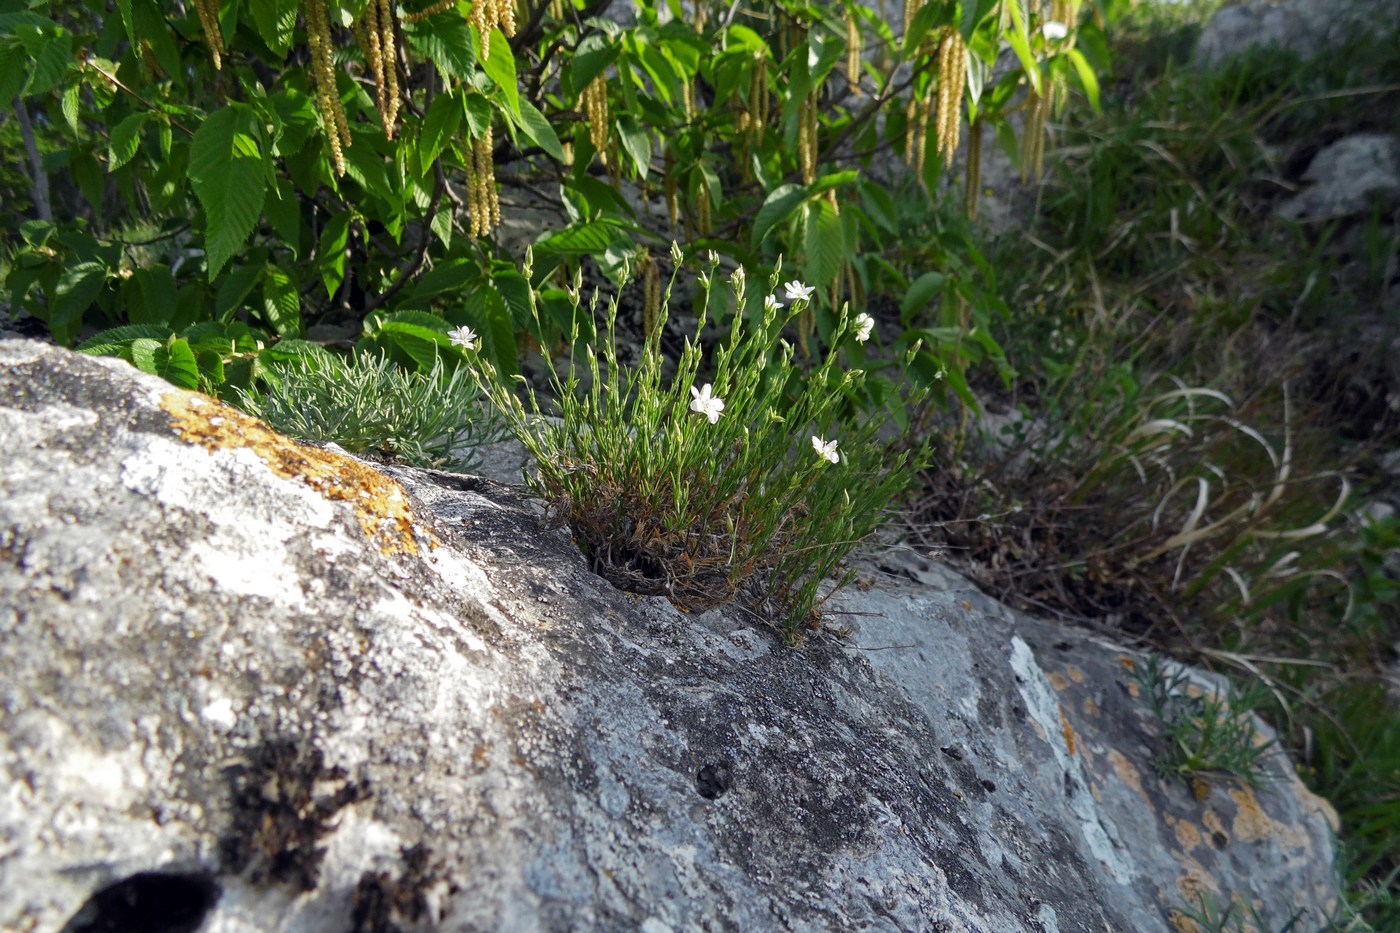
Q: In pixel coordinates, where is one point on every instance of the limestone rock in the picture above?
(1350, 176)
(256, 686)
(1303, 26)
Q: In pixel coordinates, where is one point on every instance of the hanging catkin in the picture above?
(442, 6)
(375, 32)
(911, 8)
(208, 11)
(952, 83)
(318, 36)
(595, 110)
(483, 201)
(673, 201)
(853, 50)
(487, 15)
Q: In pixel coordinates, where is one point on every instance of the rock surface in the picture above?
(258, 686)
(1303, 26)
(1350, 176)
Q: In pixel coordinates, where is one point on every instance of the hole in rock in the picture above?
(148, 902)
(712, 780)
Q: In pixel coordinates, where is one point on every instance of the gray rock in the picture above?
(270, 688)
(1306, 27)
(1348, 177)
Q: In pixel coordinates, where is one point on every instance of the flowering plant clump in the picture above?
(724, 484)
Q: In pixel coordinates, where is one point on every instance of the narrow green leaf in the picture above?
(1020, 44)
(128, 22)
(636, 142)
(1087, 78)
(440, 125)
(126, 137)
(920, 295)
(777, 207)
(281, 303)
(500, 68)
(230, 179)
(534, 125)
(69, 104)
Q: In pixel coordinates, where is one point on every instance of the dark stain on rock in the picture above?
(382, 901)
(279, 818)
(712, 780)
(148, 902)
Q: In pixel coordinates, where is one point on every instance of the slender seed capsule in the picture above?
(208, 11)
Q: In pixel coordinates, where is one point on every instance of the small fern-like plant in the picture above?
(1207, 732)
(742, 485)
(369, 404)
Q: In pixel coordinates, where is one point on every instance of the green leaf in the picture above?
(69, 104)
(157, 287)
(450, 276)
(487, 310)
(14, 71)
(580, 240)
(440, 125)
(825, 244)
(234, 288)
(126, 137)
(50, 64)
(128, 22)
(516, 292)
(276, 21)
(283, 212)
(1087, 78)
(423, 344)
(500, 68)
(211, 367)
(175, 363)
(1020, 44)
(921, 293)
(447, 41)
(75, 293)
(636, 141)
(230, 179)
(330, 254)
(116, 341)
(593, 55)
(534, 125)
(478, 110)
(777, 207)
(281, 303)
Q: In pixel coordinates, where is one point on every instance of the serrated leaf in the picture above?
(116, 341)
(175, 363)
(777, 207)
(582, 239)
(636, 142)
(283, 212)
(276, 21)
(500, 68)
(593, 55)
(487, 308)
(281, 303)
(450, 276)
(128, 22)
(211, 367)
(14, 71)
(440, 125)
(50, 64)
(825, 244)
(534, 125)
(126, 137)
(441, 225)
(69, 104)
(157, 287)
(423, 344)
(447, 41)
(230, 179)
(516, 292)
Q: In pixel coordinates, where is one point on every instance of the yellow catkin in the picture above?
(758, 101)
(556, 9)
(505, 17)
(673, 201)
(595, 108)
(318, 34)
(911, 9)
(853, 50)
(208, 11)
(952, 83)
(911, 127)
(921, 130)
(442, 6)
(1033, 137)
(807, 139)
(370, 37)
(483, 201)
(482, 21)
(702, 207)
(390, 45)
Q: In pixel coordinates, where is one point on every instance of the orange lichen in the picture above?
(380, 505)
(1090, 707)
(1075, 674)
(1128, 773)
(1058, 681)
(1066, 730)
(1187, 834)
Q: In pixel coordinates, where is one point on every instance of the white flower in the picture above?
(825, 449)
(771, 303)
(864, 325)
(1054, 31)
(463, 337)
(796, 291)
(705, 403)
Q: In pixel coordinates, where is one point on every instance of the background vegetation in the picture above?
(1155, 407)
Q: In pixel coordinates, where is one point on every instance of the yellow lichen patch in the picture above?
(1058, 681)
(1127, 773)
(1075, 674)
(1188, 834)
(1184, 924)
(1090, 707)
(1253, 824)
(1195, 881)
(1200, 787)
(1066, 730)
(379, 503)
